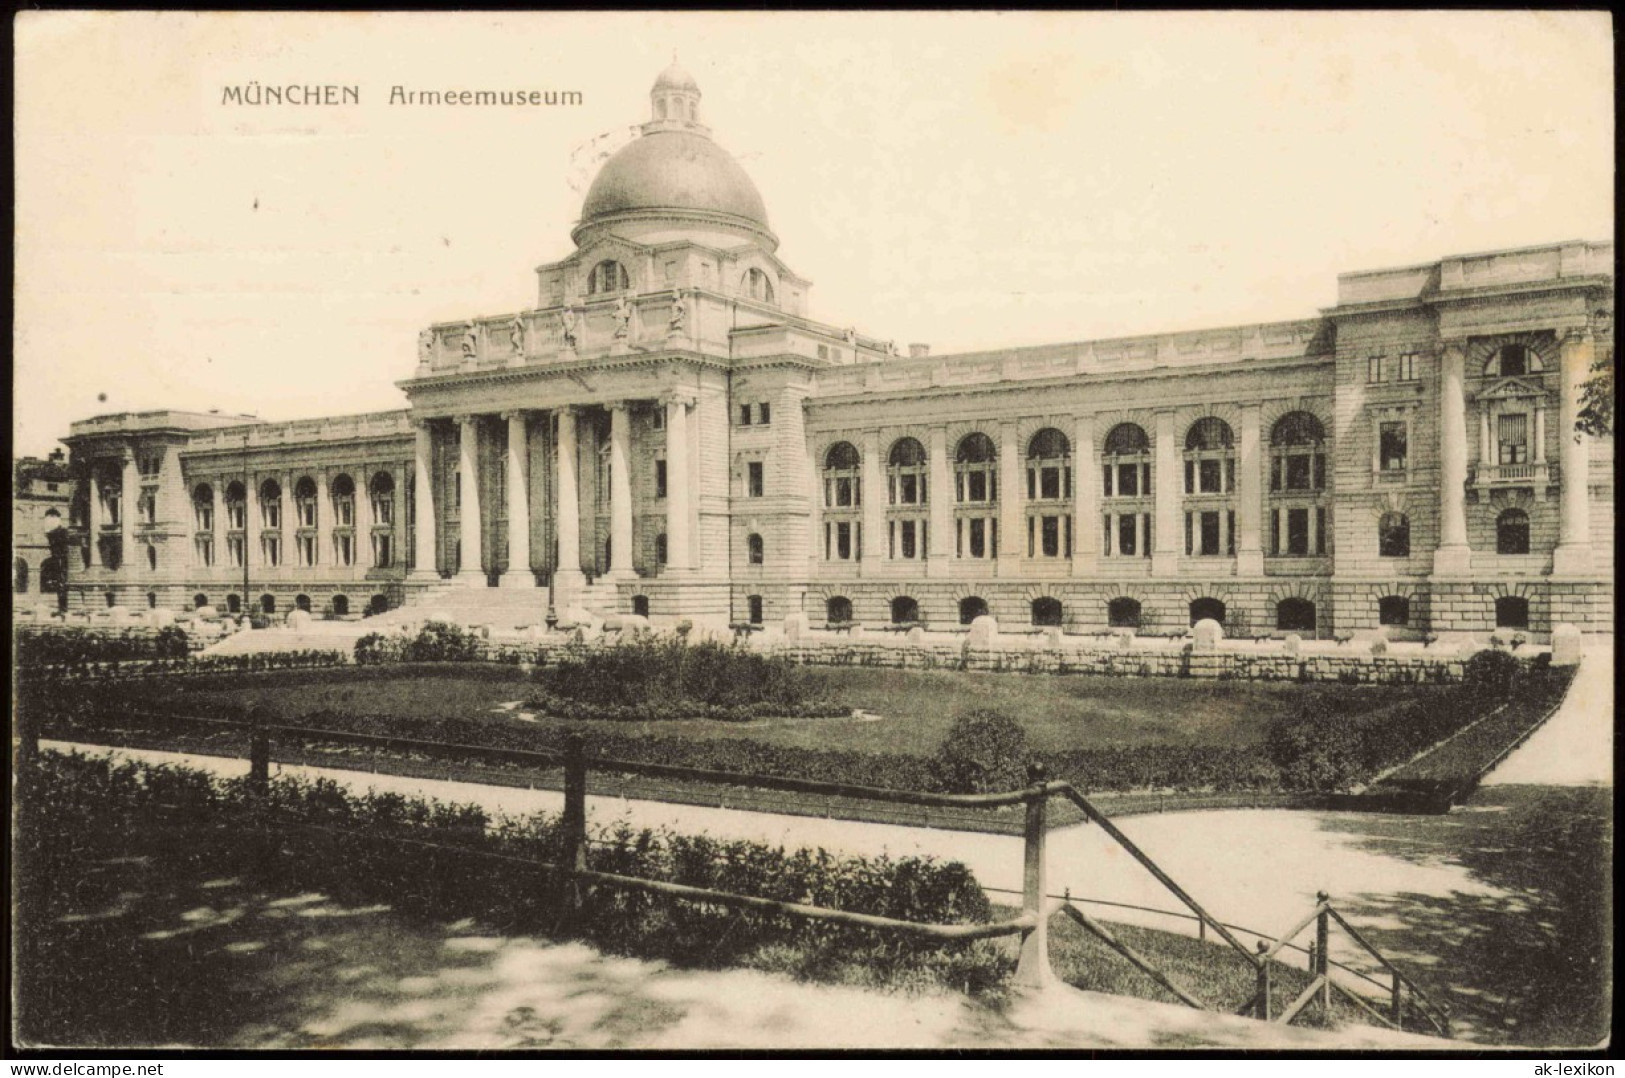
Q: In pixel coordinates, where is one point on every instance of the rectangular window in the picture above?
(1297, 532)
(1320, 530)
(383, 510)
(236, 516)
(234, 551)
(383, 553)
(1512, 432)
(1212, 477)
(205, 550)
(744, 415)
(1230, 531)
(844, 492)
(1128, 481)
(1373, 370)
(978, 537)
(271, 547)
(843, 540)
(908, 490)
(307, 551)
(1275, 532)
(660, 479)
(909, 547)
(976, 487)
(273, 514)
(147, 507)
(1210, 533)
(1190, 533)
(1298, 473)
(1392, 451)
(764, 413)
(344, 549)
(1050, 533)
(344, 513)
(1405, 371)
(1126, 527)
(753, 479)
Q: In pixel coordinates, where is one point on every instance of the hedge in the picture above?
(70, 644)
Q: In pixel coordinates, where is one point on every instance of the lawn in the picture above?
(903, 711)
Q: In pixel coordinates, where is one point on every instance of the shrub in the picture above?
(1490, 674)
(441, 641)
(376, 648)
(654, 678)
(985, 751)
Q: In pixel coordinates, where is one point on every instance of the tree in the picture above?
(1596, 416)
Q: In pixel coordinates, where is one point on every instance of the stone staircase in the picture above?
(499, 608)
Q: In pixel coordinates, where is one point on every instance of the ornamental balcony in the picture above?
(1534, 474)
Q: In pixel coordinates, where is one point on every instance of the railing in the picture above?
(1031, 925)
(1504, 474)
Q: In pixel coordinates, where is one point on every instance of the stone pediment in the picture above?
(1513, 389)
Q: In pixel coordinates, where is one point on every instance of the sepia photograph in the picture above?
(811, 532)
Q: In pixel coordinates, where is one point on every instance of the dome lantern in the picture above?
(675, 96)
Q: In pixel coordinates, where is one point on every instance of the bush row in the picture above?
(360, 855)
(114, 670)
(38, 646)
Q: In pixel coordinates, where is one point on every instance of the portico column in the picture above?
(1165, 554)
(568, 572)
(1012, 491)
(217, 534)
(361, 517)
(1250, 495)
(518, 573)
(423, 527)
(252, 525)
(1540, 434)
(1573, 553)
(678, 555)
(939, 499)
(873, 510)
(94, 519)
(324, 522)
(471, 565)
(128, 496)
(1453, 555)
(1085, 540)
(620, 492)
(1485, 457)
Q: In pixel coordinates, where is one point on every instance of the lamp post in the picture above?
(245, 522)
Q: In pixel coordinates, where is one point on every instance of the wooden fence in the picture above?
(1031, 924)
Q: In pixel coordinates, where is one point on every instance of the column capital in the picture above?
(465, 419)
(678, 396)
(1576, 334)
(516, 413)
(1446, 345)
(620, 405)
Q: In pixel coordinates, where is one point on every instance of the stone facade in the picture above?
(668, 433)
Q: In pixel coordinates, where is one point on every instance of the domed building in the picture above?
(667, 432)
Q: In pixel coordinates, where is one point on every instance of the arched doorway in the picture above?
(1207, 608)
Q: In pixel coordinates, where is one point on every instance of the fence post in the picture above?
(573, 856)
(1323, 932)
(1263, 981)
(1032, 969)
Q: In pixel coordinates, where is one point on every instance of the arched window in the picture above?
(753, 547)
(1126, 468)
(1512, 612)
(382, 492)
(236, 507)
(971, 607)
(268, 604)
(1123, 613)
(1210, 460)
(19, 576)
(341, 605)
(976, 489)
(842, 484)
(753, 608)
(1295, 616)
(660, 549)
(234, 604)
(640, 605)
(757, 285)
(203, 507)
(377, 604)
(302, 602)
(1512, 361)
(1512, 532)
(1047, 611)
(837, 609)
(343, 502)
(843, 494)
(1207, 608)
(1049, 466)
(1394, 536)
(608, 276)
(199, 601)
(304, 496)
(905, 610)
(906, 473)
(1393, 610)
(1297, 453)
(270, 504)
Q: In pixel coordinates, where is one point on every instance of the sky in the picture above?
(962, 179)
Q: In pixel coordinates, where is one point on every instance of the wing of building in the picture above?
(667, 432)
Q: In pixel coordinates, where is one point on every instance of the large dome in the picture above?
(674, 169)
